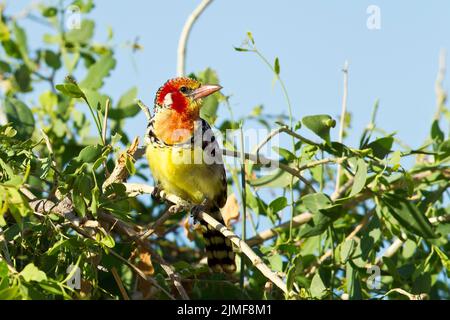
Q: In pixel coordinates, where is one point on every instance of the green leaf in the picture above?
(90, 153)
(381, 147)
(82, 35)
(210, 103)
(353, 283)
(316, 201)
(85, 6)
(276, 262)
(286, 154)
(320, 125)
(108, 241)
(250, 37)
(70, 89)
(52, 59)
(95, 99)
(360, 177)
(444, 258)
(408, 215)
(22, 43)
(444, 150)
(49, 12)
(32, 273)
(4, 31)
(10, 293)
(436, 133)
(22, 75)
(21, 118)
(276, 66)
(11, 49)
(318, 288)
(275, 179)
(293, 271)
(395, 160)
(3, 269)
(48, 100)
(240, 49)
(126, 107)
(324, 213)
(98, 71)
(130, 165)
(278, 204)
(347, 249)
(128, 98)
(5, 67)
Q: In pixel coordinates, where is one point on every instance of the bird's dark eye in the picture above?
(183, 89)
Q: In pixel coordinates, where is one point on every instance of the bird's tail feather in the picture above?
(219, 249)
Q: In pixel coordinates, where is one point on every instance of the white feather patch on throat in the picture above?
(168, 100)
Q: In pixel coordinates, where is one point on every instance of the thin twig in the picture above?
(316, 163)
(441, 96)
(285, 130)
(421, 296)
(342, 121)
(265, 235)
(261, 160)
(170, 271)
(145, 109)
(182, 44)
(105, 121)
(131, 232)
(119, 283)
(156, 224)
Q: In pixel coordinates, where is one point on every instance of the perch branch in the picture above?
(245, 249)
(254, 258)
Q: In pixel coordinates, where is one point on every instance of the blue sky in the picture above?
(396, 64)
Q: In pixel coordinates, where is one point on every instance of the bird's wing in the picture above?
(213, 157)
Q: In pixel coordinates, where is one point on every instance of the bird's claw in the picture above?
(195, 211)
(178, 208)
(158, 194)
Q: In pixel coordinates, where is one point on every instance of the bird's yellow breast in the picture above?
(182, 171)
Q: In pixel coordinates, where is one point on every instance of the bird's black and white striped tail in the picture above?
(219, 249)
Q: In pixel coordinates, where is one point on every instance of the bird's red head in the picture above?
(183, 95)
(177, 107)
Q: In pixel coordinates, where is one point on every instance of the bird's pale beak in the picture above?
(205, 90)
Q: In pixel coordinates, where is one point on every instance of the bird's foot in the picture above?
(179, 207)
(195, 211)
(158, 194)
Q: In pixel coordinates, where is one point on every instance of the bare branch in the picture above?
(441, 96)
(185, 36)
(245, 249)
(119, 283)
(120, 172)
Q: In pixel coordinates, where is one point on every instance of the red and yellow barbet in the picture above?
(178, 161)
